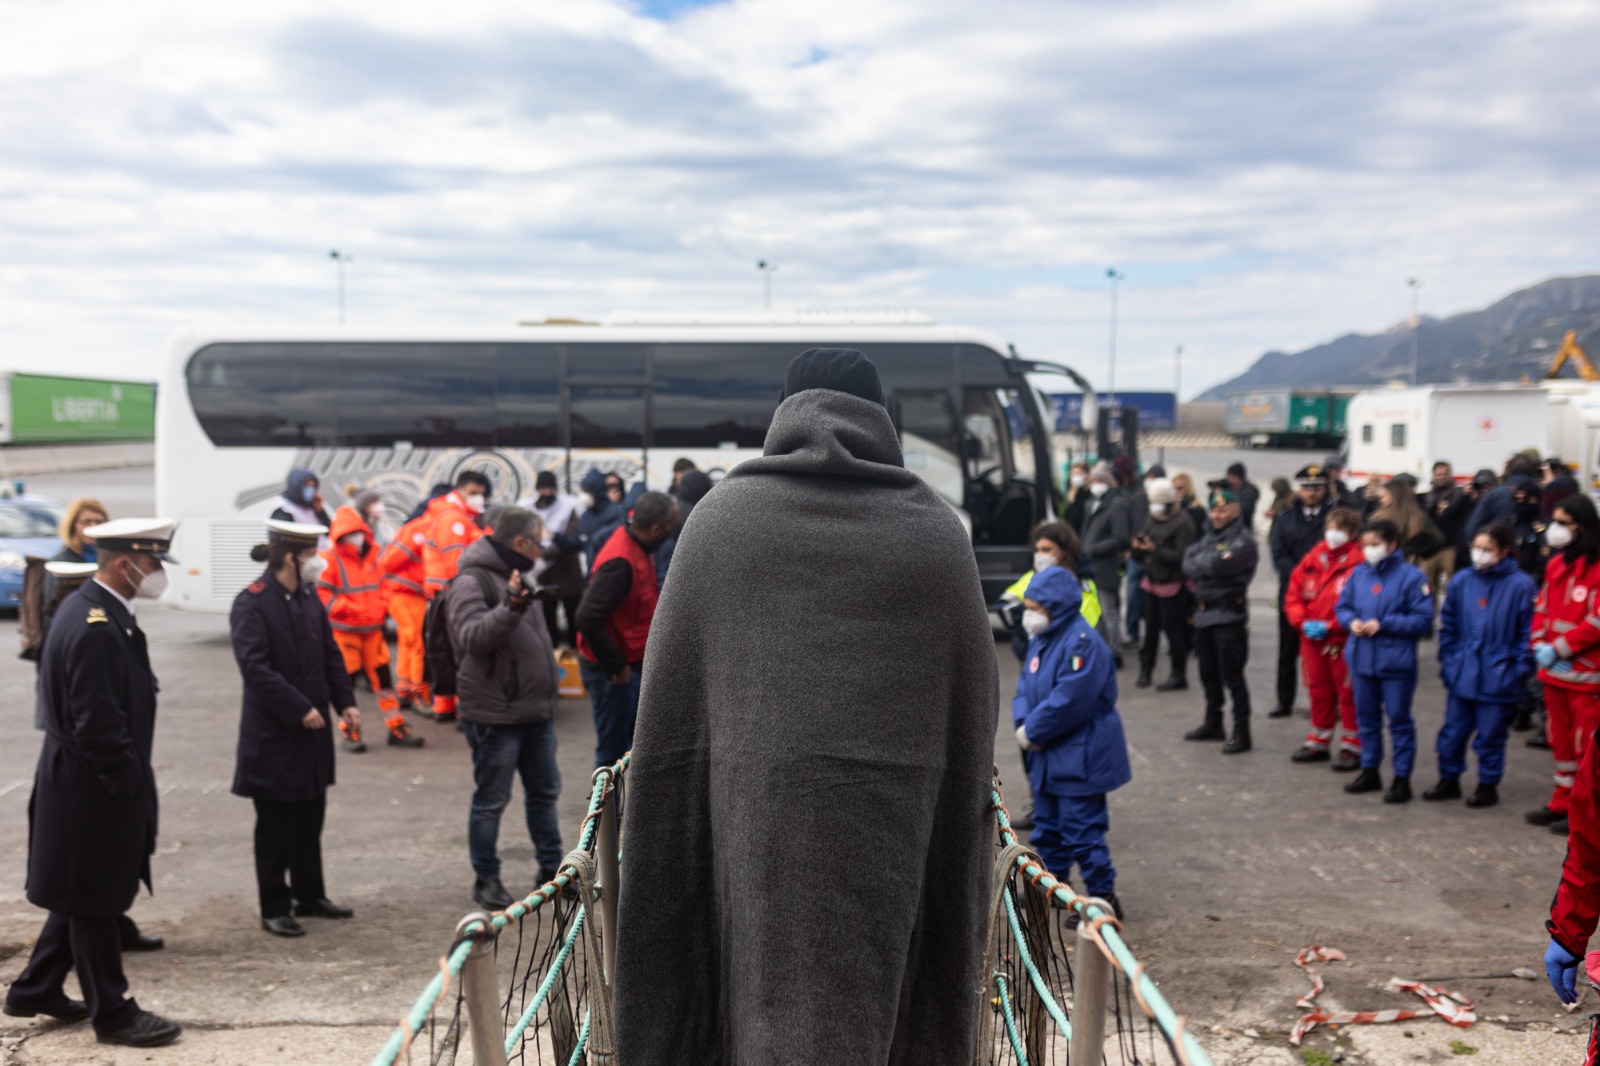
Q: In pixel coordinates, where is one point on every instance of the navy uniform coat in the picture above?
(1067, 698)
(92, 819)
(1396, 594)
(289, 663)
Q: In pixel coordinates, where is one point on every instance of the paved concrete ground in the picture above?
(1228, 866)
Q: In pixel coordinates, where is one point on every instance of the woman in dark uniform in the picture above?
(294, 677)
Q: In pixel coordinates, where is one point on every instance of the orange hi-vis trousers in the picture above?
(407, 610)
(369, 653)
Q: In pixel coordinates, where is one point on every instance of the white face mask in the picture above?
(311, 568)
(357, 542)
(152, 585)
(1043, 561)
(1375, 553)
(1557, 536)
(475, 503)
(1078, 480)
(1483, 560)
(1099, 488)
(1336, 538)
(1158, 510)
(375, 514)
(1035, 622)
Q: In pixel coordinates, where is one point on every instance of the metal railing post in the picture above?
(1091, 985)
(480, 987)
(606, 862)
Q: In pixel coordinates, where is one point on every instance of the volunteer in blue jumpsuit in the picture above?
(1386, 607)
(1066, 716)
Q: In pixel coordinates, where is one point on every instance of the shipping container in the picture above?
(41, 409)
(1472, 427)
(1157, 410)
(1307, 418)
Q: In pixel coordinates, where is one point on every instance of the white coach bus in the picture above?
(400, 411)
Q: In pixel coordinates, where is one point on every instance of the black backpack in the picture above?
(439, 655)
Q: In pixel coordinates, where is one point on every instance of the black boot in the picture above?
(1368, 780)
(1310, 754)
(1448, 788)
(1543, 816)
(1538, 740)
(1144, 679)
(1210, 730)
(1399, 791)
(1485, 796)
(1175, 683)
(1282, 710)
(1239, 742)
(1522, 720)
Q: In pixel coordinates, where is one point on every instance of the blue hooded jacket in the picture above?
(1484, 653)
(1067, 698)
(1397, 595)
(597, 524)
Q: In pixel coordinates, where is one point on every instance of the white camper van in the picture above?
(1407, 430)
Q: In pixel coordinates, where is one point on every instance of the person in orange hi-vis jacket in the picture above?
(352, 590)
(452, 525)
(405, 587)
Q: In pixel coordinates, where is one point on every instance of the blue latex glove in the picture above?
(1544, 654)
(1315, 630)
(1562, 969)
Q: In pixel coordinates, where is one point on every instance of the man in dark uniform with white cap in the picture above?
(92, 819)
(1295, 532)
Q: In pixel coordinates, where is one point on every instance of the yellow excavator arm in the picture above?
(1571, 349)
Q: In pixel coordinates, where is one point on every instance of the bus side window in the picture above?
(931, 440)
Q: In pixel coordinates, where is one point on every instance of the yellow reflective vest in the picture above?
(1091, 597)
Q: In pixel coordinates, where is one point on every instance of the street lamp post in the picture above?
(1416, 324)
(766, 269)
(1177, 373)
(341, 259)
(1111, 362)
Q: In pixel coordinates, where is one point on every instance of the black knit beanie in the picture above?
(840, 369)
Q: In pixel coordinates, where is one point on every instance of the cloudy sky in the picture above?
(1266, 174)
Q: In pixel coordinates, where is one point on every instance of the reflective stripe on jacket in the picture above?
(401, 561)
(351, 586)
(1568, 616)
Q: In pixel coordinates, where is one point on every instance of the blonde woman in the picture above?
(1419, 538)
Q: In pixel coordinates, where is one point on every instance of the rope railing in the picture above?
(1029, 896)
(1044, 1002)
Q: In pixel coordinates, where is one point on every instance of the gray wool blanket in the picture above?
(807, 837)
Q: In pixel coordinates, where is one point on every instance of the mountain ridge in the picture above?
(1516, 336)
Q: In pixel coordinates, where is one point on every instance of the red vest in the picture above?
(629, 624)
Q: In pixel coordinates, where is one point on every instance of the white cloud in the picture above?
(1265, 174)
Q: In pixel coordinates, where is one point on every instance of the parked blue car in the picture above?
(27, 527)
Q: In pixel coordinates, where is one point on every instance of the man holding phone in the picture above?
(507, 691)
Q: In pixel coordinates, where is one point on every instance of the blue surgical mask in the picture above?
(308, 493)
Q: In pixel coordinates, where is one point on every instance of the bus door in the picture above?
(1001, 465)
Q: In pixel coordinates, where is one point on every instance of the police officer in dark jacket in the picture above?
(92, 819)
(1221, 564)
(294, 677)
(1295, 532)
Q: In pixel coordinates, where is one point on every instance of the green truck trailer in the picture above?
(43, 409)
(1287, 418)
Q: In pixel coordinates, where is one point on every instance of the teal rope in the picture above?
(547, 984)
(1122, 958)
(425, 1004)
(1020, 939)
(1011, 1021)
(418, 1015)
(583, 1042)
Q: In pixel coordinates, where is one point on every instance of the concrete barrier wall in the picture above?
(28, 460)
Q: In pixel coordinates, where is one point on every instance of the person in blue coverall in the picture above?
(1066, 716)
(1386, 607)
(1485, 659)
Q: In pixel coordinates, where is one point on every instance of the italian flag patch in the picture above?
(1075, 663)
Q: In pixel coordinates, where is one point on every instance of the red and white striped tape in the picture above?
(1451, 1006)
